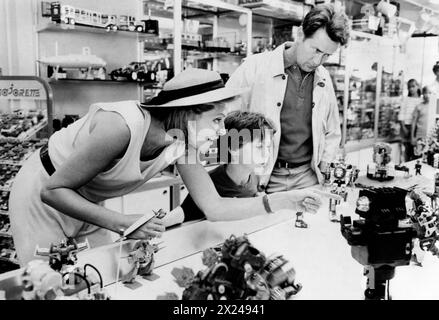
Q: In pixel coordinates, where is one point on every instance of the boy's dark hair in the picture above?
(256, 123)
(243, 127)
(335, 22)
(436, 67)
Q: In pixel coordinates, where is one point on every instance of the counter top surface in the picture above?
(321, 256)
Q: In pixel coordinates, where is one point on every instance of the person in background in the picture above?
(420, 117)
(434, 86)
(247, 155)
(405, 116)
(291, 87)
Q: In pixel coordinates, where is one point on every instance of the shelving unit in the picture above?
(370, 101)
(41, 92)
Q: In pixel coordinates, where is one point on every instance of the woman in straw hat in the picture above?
(115, 148)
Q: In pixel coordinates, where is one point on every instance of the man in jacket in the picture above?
(291, 87)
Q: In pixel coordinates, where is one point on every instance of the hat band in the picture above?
(166, 96)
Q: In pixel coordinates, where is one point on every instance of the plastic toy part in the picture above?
(300, 223)
(237, 270)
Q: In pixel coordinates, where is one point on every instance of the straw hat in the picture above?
(191, 87)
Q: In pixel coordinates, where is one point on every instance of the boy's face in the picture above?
(254, 155)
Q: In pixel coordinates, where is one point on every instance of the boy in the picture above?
(420, 118)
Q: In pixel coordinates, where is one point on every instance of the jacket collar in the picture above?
(278, 66)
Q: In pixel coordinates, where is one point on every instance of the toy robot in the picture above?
(338, 177)
(142, 257)
(41, 282)
(240, 271)
(425, 218)
(418, 167)
(382, 169)
(62, 255)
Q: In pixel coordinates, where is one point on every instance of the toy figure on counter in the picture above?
(382, 169)
(243, 272)
(63, 254)
(425, 219)
(142, 257)
(61, 277)
(418, 167)
(300, 223)
(338, 176)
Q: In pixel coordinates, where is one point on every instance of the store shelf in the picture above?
(56, 27)
(107, 81)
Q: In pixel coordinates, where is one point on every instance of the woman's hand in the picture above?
(151, 229)
(309, 199)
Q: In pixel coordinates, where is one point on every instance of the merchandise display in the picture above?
(382, 168)
(20, 124)
(237, 270)
(14, 151)
(61, 278)
(70, 15)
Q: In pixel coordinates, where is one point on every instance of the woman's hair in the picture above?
(178, 117)
(413, 81)
(335, 22)
(436, 67)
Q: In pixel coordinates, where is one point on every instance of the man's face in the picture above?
(314, 51)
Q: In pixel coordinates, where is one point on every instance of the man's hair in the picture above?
(436, 67)
(335, 22)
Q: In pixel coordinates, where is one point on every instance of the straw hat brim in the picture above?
(203, 98)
